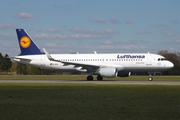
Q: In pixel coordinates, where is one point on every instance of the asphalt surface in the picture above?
(93, 82)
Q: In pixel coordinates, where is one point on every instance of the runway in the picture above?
(93, 82)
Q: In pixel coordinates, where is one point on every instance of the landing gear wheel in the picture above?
(150, 79)
(90, 78)
(99, 78)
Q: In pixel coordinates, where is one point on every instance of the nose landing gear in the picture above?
(150, 77)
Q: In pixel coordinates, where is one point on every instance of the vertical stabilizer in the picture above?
(26, 44)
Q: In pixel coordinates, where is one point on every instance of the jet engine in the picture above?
(124, 74)
(109, 72)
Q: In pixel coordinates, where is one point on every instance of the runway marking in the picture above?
(93, 82)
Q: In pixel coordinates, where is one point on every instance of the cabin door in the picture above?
(42, 61)
(149, 60)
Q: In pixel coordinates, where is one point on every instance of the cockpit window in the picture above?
(162, 59)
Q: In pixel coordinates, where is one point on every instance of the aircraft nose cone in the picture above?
(170, 65)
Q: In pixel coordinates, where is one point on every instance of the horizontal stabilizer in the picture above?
(22, 60)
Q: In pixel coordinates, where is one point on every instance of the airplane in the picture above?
(102, 65)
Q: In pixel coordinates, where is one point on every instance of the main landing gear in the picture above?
(99, 78)
(90, 78)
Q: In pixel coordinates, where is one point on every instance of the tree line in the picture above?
(5, 64)
(9, 67)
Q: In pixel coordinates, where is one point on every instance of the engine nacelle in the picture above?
(109, 72)
(124, 74)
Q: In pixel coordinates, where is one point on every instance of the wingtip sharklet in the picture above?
(48, 55)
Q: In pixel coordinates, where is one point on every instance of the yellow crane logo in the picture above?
(25, 42)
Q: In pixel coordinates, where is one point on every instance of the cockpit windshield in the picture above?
(162, 59)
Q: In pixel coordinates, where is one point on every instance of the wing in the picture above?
(80, 66)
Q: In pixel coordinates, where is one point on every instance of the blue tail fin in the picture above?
(27, 45)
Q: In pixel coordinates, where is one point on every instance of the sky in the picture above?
(84, 26)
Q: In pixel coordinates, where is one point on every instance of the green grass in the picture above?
(82, 77)
(88, 102)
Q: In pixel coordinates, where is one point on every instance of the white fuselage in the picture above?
(141, 62)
